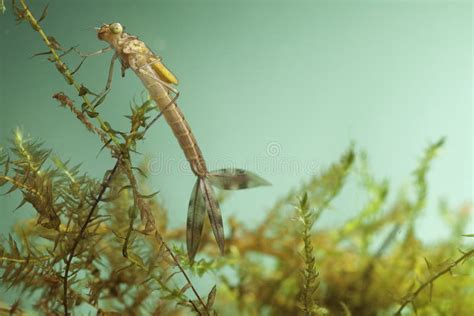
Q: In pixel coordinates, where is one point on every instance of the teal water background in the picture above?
(281, 88)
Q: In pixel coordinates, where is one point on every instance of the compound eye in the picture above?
(116, 28)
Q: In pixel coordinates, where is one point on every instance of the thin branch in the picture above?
(180, 267)
(410, 298)
(79, 237)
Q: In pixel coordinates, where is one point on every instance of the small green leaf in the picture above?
(137, 260)
(21, 204)
(211, 297)
(92, 114)
(304, 201)
(184, 289)
(140, 171)
(106, 127)
(125, 187)
(13, 188)
(83, 91)
(54, 43)
(44, 14)
(148, 196)
(99, 102)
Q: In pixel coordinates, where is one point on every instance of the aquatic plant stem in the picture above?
(180, 267)
(413, 295)
(60, 65)
(103, 188)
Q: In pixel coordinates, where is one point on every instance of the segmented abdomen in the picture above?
(175, 119)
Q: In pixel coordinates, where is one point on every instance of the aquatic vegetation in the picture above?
(103, 246)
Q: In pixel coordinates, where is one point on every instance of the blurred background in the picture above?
(281, 88)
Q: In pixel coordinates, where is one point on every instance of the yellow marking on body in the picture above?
(164, 73)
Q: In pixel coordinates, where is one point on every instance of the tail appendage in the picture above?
(203, 200)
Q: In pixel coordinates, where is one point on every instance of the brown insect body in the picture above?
(135, 54)
(157, 79)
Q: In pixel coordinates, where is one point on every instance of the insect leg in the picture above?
(84, 56)
(68, 51)
(100, 51)
(79, 66)
(101, 96)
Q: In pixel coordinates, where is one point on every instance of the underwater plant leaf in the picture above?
(125, 187)
(140, 171)
(214, 213)
(428, 264)
(23, 201)
(236, 179)
(186, 287)
(100, 101)
(44, 14)
(83, 90)
(211, 297)
(54, 42)
(195, 221)
(107, 143)
(92, 114)
(149, 196)
(12, 189)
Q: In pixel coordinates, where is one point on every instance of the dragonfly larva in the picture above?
(159, 81)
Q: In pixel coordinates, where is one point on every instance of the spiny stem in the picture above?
(412, 296)
(23, 186)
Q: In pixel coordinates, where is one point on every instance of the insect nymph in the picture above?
(159, 81)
